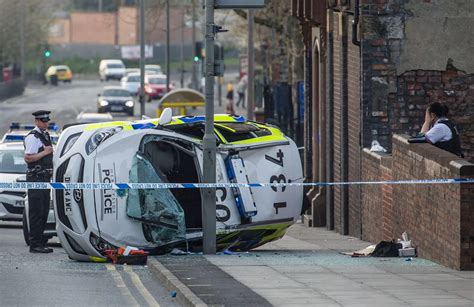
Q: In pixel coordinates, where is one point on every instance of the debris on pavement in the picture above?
(178, 252)
(362, 252)
(128, 255)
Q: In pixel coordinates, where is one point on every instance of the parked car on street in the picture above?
(17, 132)
(115, 99)
(129, 71)
(60, 72)
(12, 167)
(86, 117)
(111, 69)
(170, 150)
(131, 83)
(155, 86)
(153, 69)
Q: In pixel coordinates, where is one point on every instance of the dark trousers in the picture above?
(241, 98)
(38, 201)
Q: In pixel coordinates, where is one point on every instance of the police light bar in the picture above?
(53, 127)
(18, 126)
(14, 138)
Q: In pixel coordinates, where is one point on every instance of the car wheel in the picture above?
(26, 232)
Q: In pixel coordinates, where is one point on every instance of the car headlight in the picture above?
(129, 103)
(70, 142)
(100, 244)
(99, 136)
(104, 103)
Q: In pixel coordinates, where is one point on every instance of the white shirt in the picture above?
(32, 143)
(439, 132)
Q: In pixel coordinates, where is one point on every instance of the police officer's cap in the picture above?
(42, 115)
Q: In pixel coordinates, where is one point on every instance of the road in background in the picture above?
(53, 279)
(66, 101)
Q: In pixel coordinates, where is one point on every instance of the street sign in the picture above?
(239, 4)
(132, 52)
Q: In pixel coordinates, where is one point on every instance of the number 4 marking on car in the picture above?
(278, 206)
(278, 161)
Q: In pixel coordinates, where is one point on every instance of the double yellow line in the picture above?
(131, 301)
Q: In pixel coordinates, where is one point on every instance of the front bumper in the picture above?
(12, 206)
(114, 76)
(115, 108)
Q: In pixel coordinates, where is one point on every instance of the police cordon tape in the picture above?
(144, 186)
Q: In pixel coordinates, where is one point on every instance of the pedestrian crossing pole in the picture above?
(209, 141)
(142, 58)
(211, 70)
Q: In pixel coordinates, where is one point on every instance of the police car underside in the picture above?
(157, 220)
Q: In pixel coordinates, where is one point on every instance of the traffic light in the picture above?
(47, 52)
(199, 51)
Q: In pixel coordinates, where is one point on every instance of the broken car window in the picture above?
(158, 210)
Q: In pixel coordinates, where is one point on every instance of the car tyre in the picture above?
(26, 232)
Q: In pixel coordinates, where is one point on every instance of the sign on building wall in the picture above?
(132, 52)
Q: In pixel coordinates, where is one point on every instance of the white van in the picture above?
(111, 69)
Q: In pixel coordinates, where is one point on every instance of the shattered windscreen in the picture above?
(159, 211)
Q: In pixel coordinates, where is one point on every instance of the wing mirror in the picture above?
(165, 117)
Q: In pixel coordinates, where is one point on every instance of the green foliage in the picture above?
(91, 66)
(36, 16)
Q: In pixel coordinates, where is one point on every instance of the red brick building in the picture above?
(118, 28)
(372, 68)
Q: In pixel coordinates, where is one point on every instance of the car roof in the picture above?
(113, 87)
(112, 61)
(133, 74)
(61, 66)
(95, 115)
(11, 146)
(161, 76)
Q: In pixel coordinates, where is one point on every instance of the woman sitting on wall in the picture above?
(439, 130)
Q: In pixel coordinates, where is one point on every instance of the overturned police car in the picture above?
(89, 222)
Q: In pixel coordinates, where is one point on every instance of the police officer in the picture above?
(439, 130)
(39, 158)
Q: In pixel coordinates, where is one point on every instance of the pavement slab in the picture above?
(306, 267)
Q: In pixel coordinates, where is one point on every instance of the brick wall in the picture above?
(59, 31)
(337, 121)
(439, 218)
(394, 101)
(354, 132)
(418, 88)
(98, 28)
(376, 200)
(128, 26)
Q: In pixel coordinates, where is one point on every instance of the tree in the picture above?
(278, 33)
(36, 17)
